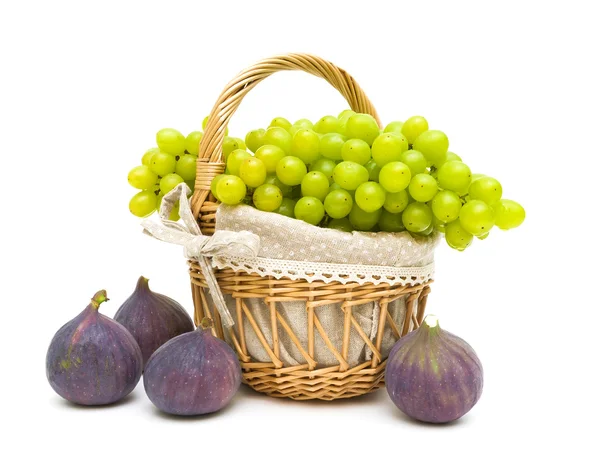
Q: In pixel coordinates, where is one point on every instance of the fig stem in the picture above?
(431, 324)
(432, 321)
(142, 283)
(99, 298)
(206, 323)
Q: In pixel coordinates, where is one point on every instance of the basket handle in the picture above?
(210, 161)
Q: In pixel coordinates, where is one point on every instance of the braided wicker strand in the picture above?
(210, 160)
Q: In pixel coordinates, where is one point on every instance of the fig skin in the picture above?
(152, 318)
(192, 374)
(432, 375)
(93, 360)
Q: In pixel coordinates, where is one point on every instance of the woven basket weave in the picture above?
(308, 380)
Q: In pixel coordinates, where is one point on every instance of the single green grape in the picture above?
(286, 190)
(330, 145)
(205, 123)
(457, 237)
(305, 145)
(455, 176)
(168, 182)
(231, 190)
(394, 127)
(290, 170)
(427, 231)
(434, 146)
(446, 206)
(476, 217)
(235, 160)
(391, 222)
(287, 208)
(452, 157)
(373, 170)
(344, 116)
(304, 124)
(415, 161)
(394, 176)
(328, 124)
(213, 185)
(486, 189)
(192, 142)
(270, 155)
(279, 137)
(509, 214)
(159, 198)
(186, 167)
(255, 139)
(267, 197)
(341, 224)
(338, 203)
(396, 202)
(335, 187)
(280, 122)
(315, 184)
(423, 187)
(147, 158)
(347, 113)
(417, 217)
(163, 163)
(324, 165)
(414, 127)
(143, 203)
(174, 214)
(362, 126)
(350, 175)
(310, 210)
(369, 196)
(388, 148)
(231, 144)
(363, 221)
(357, 151)
(253, 172)
(170, 141)
(142, 177)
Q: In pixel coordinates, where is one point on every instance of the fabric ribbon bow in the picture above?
(198, 246)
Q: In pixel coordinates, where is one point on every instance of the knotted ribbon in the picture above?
(198, 246)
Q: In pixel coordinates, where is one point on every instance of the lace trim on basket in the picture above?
(327, 272)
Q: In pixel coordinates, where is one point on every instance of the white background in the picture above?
(84, 87)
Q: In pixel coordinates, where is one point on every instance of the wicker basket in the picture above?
(309, 379)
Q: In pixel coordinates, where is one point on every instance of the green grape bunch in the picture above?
(171, 162)
(342, 173)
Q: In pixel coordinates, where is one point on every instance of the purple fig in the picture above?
(93, 360)
(194, 373)
(432, 375)
(152, 318)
